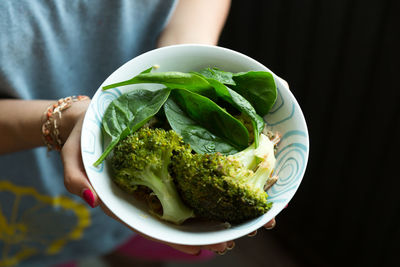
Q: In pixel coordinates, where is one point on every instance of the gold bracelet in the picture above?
(50, 129)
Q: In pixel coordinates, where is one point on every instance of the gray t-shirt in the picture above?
(49, 50)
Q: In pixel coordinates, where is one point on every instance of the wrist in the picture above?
(60, 118)
(71, 116)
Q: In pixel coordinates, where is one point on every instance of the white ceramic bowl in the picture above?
(285, 117)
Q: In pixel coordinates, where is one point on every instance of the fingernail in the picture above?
(88, 197)
(230, 245)
(252, 234)
(272, 226)
(221, 252)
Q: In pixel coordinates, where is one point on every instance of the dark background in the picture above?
(341, 60)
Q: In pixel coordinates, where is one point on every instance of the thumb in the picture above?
(75, 178)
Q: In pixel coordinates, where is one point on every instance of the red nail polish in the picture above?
(88, 197)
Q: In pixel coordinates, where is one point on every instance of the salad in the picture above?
(198, 147)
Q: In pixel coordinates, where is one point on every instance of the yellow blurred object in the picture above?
(22, 237)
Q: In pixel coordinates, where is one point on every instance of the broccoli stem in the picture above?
(247, 157)
(262, 174)
(260, 159)
(174, 210)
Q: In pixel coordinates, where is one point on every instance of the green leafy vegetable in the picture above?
(258, 87)
(147, 70)
(171, 79)
(240, 103)
(212, 117)
(200, 139)
(251, 93)
(128, 113)
(214, 185)
(219, 75)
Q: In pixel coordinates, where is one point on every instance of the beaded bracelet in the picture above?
(50, 129)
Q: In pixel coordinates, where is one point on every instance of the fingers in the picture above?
(254, 233)
(220, 248)
(192, 250)
(270, 225)
(75, 178)
(228, 246)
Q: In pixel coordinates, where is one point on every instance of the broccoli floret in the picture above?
(142, 159)
(226, 188)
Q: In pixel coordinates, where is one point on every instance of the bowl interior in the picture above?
(286, 117)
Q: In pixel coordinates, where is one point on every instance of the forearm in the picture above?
(196, 21)
(21, 122)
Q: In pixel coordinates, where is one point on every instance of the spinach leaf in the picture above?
(258, 87)
(209, 115)
(246, 108)
(129, 112)
(171, 79)
(241, 104)
(200, 139)
(219, 75)
(147, 70)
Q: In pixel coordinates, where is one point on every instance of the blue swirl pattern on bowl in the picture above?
(292, 152)
(93, 127)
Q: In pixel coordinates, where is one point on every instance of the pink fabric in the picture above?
(141, 248)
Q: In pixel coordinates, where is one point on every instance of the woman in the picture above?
(50, 50)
